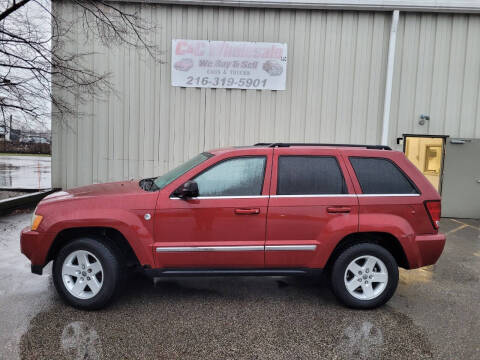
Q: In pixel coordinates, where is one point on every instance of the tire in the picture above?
(362, 264)
(90, 287)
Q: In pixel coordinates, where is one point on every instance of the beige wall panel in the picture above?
(377, 68)
(335, 83)
(437, 72)
(335, 87)
(469, 110)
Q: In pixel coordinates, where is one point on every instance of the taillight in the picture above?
(434, 209)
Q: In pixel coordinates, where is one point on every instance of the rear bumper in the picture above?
(33, 246)
(430, 247)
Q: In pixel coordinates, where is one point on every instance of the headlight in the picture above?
(36, 220)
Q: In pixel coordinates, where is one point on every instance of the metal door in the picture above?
(461, 179)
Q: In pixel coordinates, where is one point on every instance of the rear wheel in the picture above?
(86, 273)
(364, 276)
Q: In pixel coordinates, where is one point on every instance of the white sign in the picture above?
(229, 64)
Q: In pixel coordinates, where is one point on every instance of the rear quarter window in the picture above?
(381, 176)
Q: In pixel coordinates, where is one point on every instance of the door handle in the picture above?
(340, 209)
(247, 211)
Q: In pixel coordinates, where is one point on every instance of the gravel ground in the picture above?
(10, 194)
(434, 314)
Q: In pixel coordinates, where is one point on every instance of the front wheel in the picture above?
(86, 273)
(364, 276)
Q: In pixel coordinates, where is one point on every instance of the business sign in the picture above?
(229, 64)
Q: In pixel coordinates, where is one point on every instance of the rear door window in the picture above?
(309, 175)
(381, 176)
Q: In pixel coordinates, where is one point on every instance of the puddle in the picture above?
(27, 172)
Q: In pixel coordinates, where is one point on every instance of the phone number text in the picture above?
(226, 82)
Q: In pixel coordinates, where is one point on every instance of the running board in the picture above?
(230, 272)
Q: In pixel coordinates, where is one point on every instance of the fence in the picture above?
(25, 148)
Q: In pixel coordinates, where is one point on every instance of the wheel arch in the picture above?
(111, 235)
(384, 239)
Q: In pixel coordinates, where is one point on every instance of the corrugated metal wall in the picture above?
(335, 88)
(335, 83)
(437, 72)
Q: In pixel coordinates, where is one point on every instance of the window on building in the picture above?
(309, 175)
(433, 159)
(381, 176)
(242, 176)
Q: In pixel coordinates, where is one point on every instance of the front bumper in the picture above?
(430, 247)
(33, 246)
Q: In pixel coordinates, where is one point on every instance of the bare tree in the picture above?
(33, 55)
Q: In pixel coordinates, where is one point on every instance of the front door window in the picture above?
(242, 176)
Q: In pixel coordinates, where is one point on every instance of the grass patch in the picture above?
(21, 154)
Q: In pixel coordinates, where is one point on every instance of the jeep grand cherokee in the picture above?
(357, 212)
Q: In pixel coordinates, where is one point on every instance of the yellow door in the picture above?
(426, 153)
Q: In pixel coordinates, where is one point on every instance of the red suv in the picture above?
(357, 212)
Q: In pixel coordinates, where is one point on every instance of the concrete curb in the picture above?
(23, 201)
(28, 190)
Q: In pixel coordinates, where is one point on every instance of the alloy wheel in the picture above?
(366, 277)
(82, 274)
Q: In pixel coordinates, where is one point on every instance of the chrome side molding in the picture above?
(290, 247)
(208, 248)
(162, 249)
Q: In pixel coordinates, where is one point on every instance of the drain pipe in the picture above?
(389, 80)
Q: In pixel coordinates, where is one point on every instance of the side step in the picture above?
(230, 272)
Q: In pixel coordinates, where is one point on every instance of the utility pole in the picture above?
(5, 134)
(10, 128)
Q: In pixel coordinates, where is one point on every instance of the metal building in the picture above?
(358, 71)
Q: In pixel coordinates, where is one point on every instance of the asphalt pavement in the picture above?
(435, 313)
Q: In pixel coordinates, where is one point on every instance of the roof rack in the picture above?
(376, 147)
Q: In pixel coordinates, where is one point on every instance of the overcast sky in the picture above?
(40, 19)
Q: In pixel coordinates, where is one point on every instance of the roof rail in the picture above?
(376, 147)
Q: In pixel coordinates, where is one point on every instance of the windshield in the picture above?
(167, 178)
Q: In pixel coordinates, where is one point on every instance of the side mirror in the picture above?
(187, 190)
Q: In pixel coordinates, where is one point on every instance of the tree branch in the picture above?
(13, 8)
